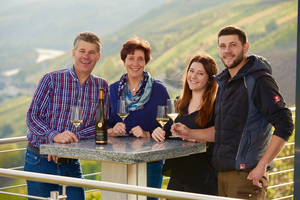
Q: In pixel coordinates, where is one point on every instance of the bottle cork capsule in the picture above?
(101, 94)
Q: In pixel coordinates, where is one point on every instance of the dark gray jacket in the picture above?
(246, 108)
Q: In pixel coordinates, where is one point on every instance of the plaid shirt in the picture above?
(49, 112)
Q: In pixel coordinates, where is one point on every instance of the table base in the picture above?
(132, 174)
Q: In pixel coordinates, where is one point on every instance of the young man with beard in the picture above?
(248, 103)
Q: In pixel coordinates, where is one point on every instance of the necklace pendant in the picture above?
(133, 91)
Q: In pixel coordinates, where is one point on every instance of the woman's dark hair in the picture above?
(133, 44)
(206, 110)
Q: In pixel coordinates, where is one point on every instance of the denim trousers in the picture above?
(154, 176)
(40, 164)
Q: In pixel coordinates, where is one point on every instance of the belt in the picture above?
(59, 160)
(34, 149)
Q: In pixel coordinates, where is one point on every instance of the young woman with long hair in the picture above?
(195, 105)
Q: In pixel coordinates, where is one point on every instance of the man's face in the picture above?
(86, 57)
(231, 51)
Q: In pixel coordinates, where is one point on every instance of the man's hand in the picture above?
(65, 137)
(274, 148)
(256, 174)
(194, 135)
(182, 130)
(51, 157)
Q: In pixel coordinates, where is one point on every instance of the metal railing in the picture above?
(101, 185)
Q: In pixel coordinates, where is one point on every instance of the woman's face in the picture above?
(197, 78)
(135, 64)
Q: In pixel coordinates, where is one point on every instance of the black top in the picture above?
(195, 169)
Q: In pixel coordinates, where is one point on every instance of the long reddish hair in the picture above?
(206, 110)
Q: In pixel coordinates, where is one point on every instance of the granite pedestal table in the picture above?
(124, 159)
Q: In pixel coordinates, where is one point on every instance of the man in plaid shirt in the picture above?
(48, 117)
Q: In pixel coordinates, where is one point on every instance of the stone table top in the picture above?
(124, 149)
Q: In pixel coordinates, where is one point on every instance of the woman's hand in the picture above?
(119, 147)
(158, 134)
(158, 146)
(139, 132)
(117, 130)
(137, 143)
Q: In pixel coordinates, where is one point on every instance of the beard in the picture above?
(239, 58)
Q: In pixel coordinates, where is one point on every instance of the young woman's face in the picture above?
(197, 78)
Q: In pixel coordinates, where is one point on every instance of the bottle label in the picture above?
(99, 124)
(101, 142)
(101, 137)
(102, 133)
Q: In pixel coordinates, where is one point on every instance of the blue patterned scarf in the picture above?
(141, 97)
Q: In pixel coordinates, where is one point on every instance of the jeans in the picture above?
(40, 164)
(154, 176)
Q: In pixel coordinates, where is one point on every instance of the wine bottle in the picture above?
(101, 121)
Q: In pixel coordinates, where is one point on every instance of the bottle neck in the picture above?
(101, 108)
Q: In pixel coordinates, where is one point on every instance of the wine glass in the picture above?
(122, 111)
(76, 116)
(172, 113)
(172, 109)
(161, 116)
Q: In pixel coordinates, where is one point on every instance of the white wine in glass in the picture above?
(161, 116)
(123, 116)
(76, 123)
(76, 116)
(172, 113)
(122, 111)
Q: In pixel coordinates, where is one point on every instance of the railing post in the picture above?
(54, 195)
(297, 122)
(64, 192)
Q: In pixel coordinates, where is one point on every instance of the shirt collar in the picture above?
(75, 77)
(73, 74)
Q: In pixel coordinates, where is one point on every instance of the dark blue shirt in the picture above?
(145, 118)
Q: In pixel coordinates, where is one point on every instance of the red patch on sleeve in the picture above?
(242, 166)
(276, 98)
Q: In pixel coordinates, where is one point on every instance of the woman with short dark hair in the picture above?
(142, 95)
